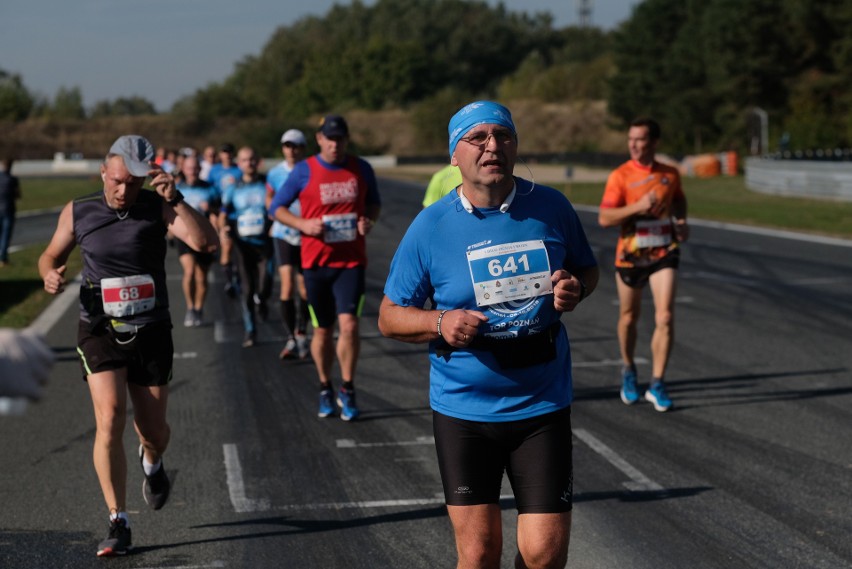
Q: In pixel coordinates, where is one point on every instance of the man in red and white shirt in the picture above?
(340, 203)
(645, 198)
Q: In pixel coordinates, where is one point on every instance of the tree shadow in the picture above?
(744, 383)
(15, 291)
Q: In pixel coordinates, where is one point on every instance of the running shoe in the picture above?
(302, 347)
(629, 390)
(262, 308)
(249, 340)
(348, 409)
(156, 487)
(326, 404)
(118, 541)
(189, 319)
(198, 319)
(657, 395)
(289, 351)
(230, 290)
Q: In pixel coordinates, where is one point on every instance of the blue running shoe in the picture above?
(657, 395)
(629, 390)
(348, 409)
(326, 404)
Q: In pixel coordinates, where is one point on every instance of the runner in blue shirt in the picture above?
(500, 259)
(222, 175)
(244, 217)
(203, 197)
(287, 243)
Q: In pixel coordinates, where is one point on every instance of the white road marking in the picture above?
(236, 486)
(185, 355)
(350, 443)
(638, 481)
(51, 315)
(374, 504)
(242, 504)
(214, 565)
(220, 332)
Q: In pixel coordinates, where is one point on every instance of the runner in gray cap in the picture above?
(124, 335)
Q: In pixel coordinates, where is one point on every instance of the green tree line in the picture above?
(701, 67)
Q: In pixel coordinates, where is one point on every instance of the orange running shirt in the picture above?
(644, 239)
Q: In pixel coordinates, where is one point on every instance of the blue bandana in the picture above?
(473, 114)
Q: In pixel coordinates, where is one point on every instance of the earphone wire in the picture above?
(532, 177)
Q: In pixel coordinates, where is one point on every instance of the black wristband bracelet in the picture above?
(176, 200)
(582, 290)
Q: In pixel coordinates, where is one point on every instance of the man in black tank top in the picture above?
(124, 335)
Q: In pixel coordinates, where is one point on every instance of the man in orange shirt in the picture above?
(646, 199)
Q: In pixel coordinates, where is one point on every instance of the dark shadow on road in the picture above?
(709, 389)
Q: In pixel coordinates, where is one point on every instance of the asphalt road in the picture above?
(752, 469)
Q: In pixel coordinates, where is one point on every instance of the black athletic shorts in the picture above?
(287, 254)
(147, 354)
(200, 258)
(535, 453)
(332, 292)
(637, 277)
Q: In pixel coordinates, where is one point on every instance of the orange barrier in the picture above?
(710, 165)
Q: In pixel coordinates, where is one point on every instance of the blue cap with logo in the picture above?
(476, 113)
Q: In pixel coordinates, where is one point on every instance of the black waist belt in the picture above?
(91, 299)
(515, 352)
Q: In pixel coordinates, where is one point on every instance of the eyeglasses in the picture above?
(292, 145)
(480, 139)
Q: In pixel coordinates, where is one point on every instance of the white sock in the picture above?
(122, 515)
(150, 468)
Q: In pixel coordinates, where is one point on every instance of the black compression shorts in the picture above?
(287, 254)
(535, 453)
(200, 258)
(637, 277)
(147, 354)
(334, 291)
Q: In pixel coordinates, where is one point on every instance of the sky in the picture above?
(163, 50)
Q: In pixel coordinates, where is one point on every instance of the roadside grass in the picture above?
(23, 296)
(47, 193)
(727, 199)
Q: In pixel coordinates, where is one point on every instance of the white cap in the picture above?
(295, 136)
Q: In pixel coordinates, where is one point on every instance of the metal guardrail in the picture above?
(800, 178)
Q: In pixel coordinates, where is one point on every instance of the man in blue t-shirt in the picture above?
(243, 214)
(500, 259)
(203, 197)
(287, 245)
(222, 175)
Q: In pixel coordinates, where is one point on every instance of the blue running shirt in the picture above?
(496, 263)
